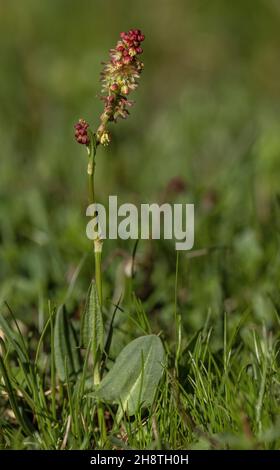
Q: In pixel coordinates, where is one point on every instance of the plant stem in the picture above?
(98, 272)
(97, 246)
(90, 172)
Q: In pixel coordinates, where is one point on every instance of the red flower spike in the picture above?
(81, 133)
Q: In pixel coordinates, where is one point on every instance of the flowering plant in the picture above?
(119, 78)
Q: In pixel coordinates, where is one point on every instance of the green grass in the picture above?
(226, 398)
(207, 110)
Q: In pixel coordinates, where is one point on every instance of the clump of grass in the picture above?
(222, 399)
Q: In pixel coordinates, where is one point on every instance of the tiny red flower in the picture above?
(81, 133)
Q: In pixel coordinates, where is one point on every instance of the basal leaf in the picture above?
(134, 377)
(92, 329)
(67, 355)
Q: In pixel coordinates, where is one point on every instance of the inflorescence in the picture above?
(119, 77)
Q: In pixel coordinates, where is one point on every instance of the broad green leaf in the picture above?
(66, 352)
(92, 329)
(134, 377)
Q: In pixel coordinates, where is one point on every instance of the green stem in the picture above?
(98, 272)
(97, 246)
(53, 378)
(90, 172)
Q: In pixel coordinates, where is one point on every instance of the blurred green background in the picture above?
(207, 111)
